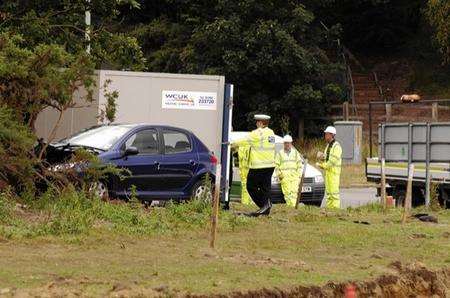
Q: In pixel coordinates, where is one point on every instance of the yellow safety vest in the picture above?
(262, 148)
(289, 164)
(333, 161)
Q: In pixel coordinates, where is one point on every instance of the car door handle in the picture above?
(158, 165)
(192, 162)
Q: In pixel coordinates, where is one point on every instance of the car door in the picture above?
(143, 167)
(180, 160)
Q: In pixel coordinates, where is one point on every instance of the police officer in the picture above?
(261, 142)
(331, 161)
(288, 164)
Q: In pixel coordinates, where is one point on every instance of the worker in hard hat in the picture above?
(288, 165)
(243, 157)
(261, 143)
(330, 162)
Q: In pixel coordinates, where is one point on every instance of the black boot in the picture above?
(265, 210)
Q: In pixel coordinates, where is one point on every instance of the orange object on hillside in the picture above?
(410, 98)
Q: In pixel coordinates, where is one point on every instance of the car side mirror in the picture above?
(131, 151)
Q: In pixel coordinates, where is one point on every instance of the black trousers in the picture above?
(259, 184)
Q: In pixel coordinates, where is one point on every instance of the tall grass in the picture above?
(309, 148)
(6, 207)
(76, 213)
(353, 174)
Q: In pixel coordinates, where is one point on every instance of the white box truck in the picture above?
(199, 103)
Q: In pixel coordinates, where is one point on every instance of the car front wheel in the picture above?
(100, 189)
(202, 191)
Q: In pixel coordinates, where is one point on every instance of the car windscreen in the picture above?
(103, 137)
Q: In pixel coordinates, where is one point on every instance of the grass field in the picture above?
(167, 249)
(354, 176)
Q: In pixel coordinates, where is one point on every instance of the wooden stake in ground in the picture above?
(215, 208)
(300, 186)
(408, 197)
(383, 183)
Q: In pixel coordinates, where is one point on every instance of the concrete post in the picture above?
(435, 112)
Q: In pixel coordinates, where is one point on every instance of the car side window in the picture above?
(176, 142)
(146, 141)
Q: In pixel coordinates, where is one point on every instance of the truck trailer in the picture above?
(427, 146)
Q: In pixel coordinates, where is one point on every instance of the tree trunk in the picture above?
(301, 128)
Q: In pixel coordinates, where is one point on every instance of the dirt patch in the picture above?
(413, 280)
(265, 261)
(410, 281)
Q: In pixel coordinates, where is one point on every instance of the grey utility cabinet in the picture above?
(349, 135)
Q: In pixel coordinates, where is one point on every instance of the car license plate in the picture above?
(306, 189)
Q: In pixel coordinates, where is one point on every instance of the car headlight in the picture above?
(318, 179)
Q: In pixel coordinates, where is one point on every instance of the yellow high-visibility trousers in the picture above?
(332, 189)
(245, 197)
(289, 186)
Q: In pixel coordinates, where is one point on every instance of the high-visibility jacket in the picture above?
(262, 148)
(289, 169)
(243, 155)
(289, 164)
(332, 166)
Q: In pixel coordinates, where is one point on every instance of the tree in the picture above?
(438, 14)
(16, 161)
(45, 76)
(372, 26)
(43, 62)
(63, 23)
(274, 51)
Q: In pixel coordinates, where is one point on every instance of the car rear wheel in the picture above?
(399, 196)
(202, 191)
(444, 198)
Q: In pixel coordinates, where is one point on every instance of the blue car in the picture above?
(164, 162)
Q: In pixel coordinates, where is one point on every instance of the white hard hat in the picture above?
(287, 139)
(330, 129)
(261, 117)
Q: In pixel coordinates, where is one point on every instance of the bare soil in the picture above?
(414, 280)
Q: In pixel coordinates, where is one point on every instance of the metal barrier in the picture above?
(415, 143)
(373, 103)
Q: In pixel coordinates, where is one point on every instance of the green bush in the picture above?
(6, 208)
(71, 212)
(16, 162)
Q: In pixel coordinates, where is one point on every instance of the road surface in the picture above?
(354, 197)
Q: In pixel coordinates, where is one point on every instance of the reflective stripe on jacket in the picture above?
(334, 162)
(289, 165)
(262, 148)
